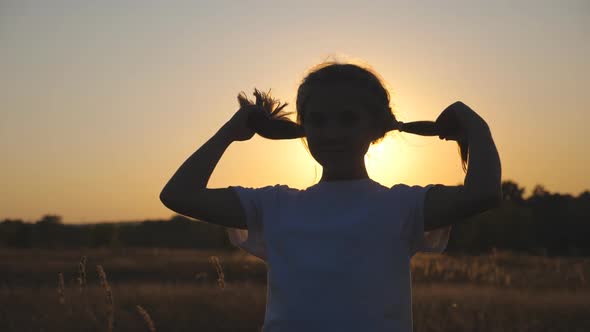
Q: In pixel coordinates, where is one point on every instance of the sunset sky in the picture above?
(102, 101)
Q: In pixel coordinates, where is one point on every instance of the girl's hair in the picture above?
(272, 123)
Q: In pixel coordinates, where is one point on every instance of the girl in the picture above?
(338, 252)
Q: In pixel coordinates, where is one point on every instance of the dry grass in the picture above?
(110, 304)
(186, 290)
(172, 307)
(21, 267)
(503, 269)
(60, 288)
(82, 274)
(219, 270)
(146, 317)
(475, 308)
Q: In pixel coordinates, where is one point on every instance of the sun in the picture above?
(376, 151)
(383, 161)
(375, 157)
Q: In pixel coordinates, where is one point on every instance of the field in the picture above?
(191, 290)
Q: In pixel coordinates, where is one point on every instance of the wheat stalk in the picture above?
(146, 317)
(82, 274)
(60, 288)
(221, 277)
(109, 297)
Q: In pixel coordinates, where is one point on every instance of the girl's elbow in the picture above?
(167, 194)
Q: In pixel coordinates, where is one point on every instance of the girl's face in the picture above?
(338, 127)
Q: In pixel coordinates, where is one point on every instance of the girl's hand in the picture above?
(458, 121)
(237, 127)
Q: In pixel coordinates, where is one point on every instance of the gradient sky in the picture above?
(102, 101)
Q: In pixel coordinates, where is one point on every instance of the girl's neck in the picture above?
(349, 175)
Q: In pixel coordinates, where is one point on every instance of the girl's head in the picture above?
(347, 87)
(343, 108)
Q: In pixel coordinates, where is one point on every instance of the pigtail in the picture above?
(268, 120)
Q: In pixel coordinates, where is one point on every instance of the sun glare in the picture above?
(377, 157)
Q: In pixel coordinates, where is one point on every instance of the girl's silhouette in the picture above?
(338, 252)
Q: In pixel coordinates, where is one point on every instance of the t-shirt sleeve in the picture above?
(255, 202)
(435, 240)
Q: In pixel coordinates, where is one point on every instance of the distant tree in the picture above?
(8, 220)
(15, 233)
(585, 196)
(546, 223)
(539, 191)
(50, 219)
(48, 231)
(511, 191)
(557, 221)
(102, 235)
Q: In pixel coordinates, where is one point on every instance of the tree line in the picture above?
(544, 223)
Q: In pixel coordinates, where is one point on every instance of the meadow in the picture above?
(195, 290)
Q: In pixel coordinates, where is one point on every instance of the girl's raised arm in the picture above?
(187, 193)
(482, 189)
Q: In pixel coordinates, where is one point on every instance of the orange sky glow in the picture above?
(97, 117)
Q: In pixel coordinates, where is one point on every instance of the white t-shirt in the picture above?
(338, 253)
